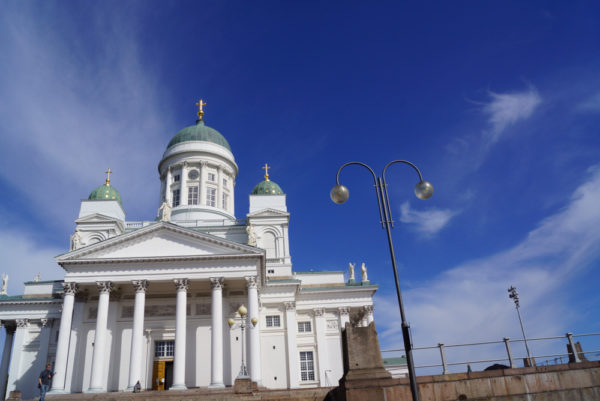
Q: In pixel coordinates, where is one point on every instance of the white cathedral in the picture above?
(153, 301)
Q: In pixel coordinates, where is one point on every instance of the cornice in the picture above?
(157, 259)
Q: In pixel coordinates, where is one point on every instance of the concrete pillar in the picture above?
(344, 317)
(291, 329)
(137, 333)
(369, 313)
(8, 344)
(203, 178)
(321, 345)
(168, 197)
(14, 370)
(253, 331)
(64, 337)
(184, 194)
(97, 380)
(180, 335)
(216, 338)
(42, 358)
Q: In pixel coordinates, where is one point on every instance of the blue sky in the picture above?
(498, 103)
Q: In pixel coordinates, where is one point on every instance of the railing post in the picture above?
(510, 357)
(573, 350)
(444, 366)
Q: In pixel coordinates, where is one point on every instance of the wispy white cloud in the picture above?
(427, 222)
(505, 109)
(75, 104)
(469, 302)
(591, 104)
(23, 258)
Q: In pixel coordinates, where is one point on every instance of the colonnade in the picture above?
(99, 357)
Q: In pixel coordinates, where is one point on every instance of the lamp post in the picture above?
(423, 190)
(242, 311)
(512, 293)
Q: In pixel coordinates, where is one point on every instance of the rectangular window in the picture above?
(176, 193)
(176, 178)
(273, 321)
(211, 197)
(304, 327)
(164, 349)
(212, 177)
(192, 195)
(225, 182)
(225, 200)
(307, 366)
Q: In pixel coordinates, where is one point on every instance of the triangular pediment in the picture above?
(95, 218)
(268, 213)
(160, 240)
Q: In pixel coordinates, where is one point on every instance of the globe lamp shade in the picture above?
(424, 190)
(242, 311)
(339, 194)
(230, 322)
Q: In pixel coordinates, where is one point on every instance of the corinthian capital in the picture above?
(319, 311)
(251, 282)
(104, 286)
(181, 284)
(70, 288)
(344, 311)
(22, 323)
(140, 285)
(216, 283)
(369, 309)
(290, 305)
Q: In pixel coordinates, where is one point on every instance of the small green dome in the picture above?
(267, 188)
(105, 192)
(199, 132)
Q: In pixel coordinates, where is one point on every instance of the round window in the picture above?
(192, 175)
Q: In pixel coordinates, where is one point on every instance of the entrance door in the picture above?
(158, 375)
(168, 374)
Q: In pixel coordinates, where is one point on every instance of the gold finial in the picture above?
(108, 172)
(266, 168)
(200, 104)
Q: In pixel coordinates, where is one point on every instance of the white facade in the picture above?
(149, 301)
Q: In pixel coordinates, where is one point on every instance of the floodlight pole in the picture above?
(515, 297)
(423, 190)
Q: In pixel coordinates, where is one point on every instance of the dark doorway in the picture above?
(168, 374)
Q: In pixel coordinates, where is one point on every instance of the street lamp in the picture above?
(423, 190)
(512, 293)
(242, 311)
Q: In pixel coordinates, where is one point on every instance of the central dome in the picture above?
(199, 132)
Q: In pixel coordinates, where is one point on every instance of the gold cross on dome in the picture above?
(108, 172)
(200, 104)
(266, 168)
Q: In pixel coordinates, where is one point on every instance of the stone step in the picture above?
(200, 394)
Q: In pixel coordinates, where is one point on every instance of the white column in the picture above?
(64, 337)
(42, 358)
(97, 380)
(14, 370)
(169, 178)
(8, 343)
(180, 334)
(184, 195)
(291, 330)
(344, 317)
(369, 312)
(203, 177)
(253, 331)
(137, 333)
(220, 187)
(216, 338)
(321, 346)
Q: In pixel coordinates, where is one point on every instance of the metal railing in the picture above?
(574, 355)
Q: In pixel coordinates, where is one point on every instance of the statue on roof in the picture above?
(363, 270)
(37, 278)
(351, 271)
(251, 235)
(75, 240)
(164, 212)
(4, 284)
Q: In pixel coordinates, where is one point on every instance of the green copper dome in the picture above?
(267, 188)
(199, 132)
(105, 192)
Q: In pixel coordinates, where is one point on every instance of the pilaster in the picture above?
(253, 330)
(321, 345)
(292, 327)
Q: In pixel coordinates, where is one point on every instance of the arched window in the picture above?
(270, 245)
